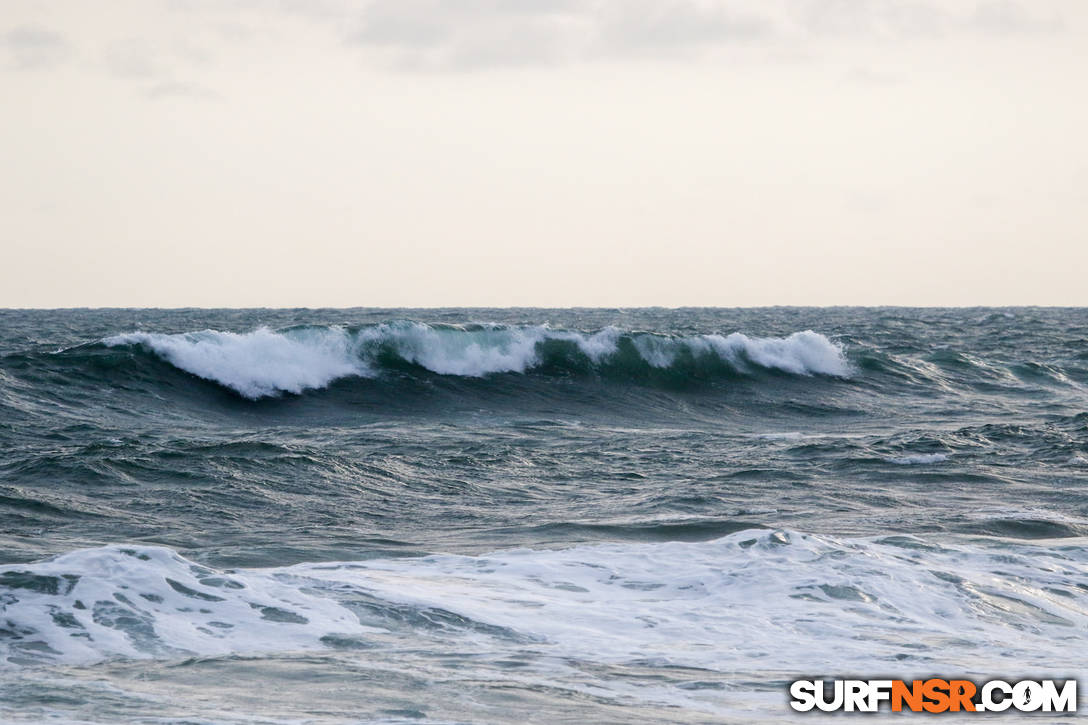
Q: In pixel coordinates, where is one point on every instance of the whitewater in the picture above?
(501, 516)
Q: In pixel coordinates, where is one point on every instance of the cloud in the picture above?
(156, 69)
(906, 19)
(181, 89)
(452, 35)
(641, 27)
(873, 78)
(132, 59)
(875, 18)
(460, 34)
(32, 47)
(1004, 17)
(439, 34)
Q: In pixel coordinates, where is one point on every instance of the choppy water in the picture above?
(531, 515)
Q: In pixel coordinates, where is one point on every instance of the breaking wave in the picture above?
(266, 362)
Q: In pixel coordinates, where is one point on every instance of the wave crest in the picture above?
(259, 363)
(265, 362)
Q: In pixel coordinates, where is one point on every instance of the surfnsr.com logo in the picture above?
(934, 695)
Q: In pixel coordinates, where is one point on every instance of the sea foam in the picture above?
(918, 459)
(813, 603)
(147, 601)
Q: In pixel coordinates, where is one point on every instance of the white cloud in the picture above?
(181, 89)
(457, 34)
(33, 47)
(1005, 17)
(133, 59)
(474, 33)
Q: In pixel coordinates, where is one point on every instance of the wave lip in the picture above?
(264, 362)
(802, 353)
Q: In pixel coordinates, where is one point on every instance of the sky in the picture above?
(385, 153)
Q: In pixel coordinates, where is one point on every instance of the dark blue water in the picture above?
(584, 515)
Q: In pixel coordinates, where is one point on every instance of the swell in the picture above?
(268, 363)
(265, 363)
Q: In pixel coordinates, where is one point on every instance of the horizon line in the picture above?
(104, 308)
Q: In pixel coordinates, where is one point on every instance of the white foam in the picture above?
(802, 353)
(258, 363)
(776, 601)
(1078, 461)
(455, 351)
(784, 436)
(812, 603)
(119, 602)
(597, 346)
(918, 459)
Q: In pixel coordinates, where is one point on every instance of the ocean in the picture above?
(532, 515)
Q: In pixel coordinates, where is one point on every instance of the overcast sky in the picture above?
(543, 152)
